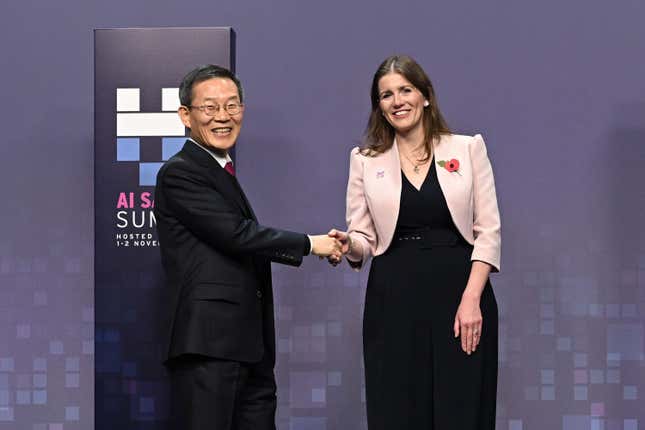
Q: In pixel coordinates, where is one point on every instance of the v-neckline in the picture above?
(418, 190)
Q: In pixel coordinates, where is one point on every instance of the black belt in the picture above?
(427, 238)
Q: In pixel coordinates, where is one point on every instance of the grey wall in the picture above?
(557, 90)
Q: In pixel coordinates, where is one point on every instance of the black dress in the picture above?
(416, 374)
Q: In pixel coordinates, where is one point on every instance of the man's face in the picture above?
(219, 131)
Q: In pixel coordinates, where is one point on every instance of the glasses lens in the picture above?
(233, 108)
(211, 110)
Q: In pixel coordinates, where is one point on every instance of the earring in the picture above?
(426, 103)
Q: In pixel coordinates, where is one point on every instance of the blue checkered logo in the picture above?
(132, 124)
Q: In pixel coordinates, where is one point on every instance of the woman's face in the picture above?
(401, 102)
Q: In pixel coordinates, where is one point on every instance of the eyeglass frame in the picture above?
(217, 107)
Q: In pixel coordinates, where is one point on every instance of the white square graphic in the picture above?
(170, 99)
(149, 124)
(127, 99)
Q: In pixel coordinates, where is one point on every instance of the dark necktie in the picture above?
(229, 168)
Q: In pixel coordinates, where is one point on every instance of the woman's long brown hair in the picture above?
(379, 135)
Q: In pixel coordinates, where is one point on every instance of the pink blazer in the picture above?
(374, 192)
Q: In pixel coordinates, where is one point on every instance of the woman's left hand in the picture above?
(468, 323)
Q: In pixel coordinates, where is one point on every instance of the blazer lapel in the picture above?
(382, 182)
(451, 183)
(394, 165)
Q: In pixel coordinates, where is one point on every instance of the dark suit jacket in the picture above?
(217, 261)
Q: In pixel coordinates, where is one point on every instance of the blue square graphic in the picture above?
(6, 413)
(148, 173)
(630, 424)
(146, 405)
(630, 392)
(128, 149)
(72, 413)
(72, 380)
(580, 360)
(515, 425)
(576, 422)
(4, 397)
(170, 146)
(548, 392)
(580, 392)
(39, 380)
(564, 344)
(72, 364)
(308, 423)
(56, 347)
(23, 397)
(626, 340)
(597, 376)
(39, 397)
(334, 378)
(547, 376)
(40, 364)
(597, 424)
(6, 364)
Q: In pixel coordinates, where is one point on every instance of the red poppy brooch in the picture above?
(450, 165)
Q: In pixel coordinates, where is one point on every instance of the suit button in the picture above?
(259, 294)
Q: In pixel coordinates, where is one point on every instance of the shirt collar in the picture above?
(221, 160)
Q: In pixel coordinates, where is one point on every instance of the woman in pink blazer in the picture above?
(421, 202)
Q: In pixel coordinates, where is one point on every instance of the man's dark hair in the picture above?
(202, 73)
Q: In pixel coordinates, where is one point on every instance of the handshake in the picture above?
(333, 246)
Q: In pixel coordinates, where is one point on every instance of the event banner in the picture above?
(136, 128)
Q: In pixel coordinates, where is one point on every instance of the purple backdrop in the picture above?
(556, 89)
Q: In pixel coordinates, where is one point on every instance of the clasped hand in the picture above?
(345, 246)
(326, 245)
(332, 246)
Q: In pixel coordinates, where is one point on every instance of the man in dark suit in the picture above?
(221, 350)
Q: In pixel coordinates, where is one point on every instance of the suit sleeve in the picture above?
(486, 222)
(212, 218)
(359, 220)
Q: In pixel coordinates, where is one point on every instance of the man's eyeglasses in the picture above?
(212, 110)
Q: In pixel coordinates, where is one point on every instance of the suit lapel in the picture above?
(229, 186)
(223, 181)
(245, 202)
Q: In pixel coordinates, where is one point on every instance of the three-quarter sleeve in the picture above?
(359, 220)
(486, 221)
